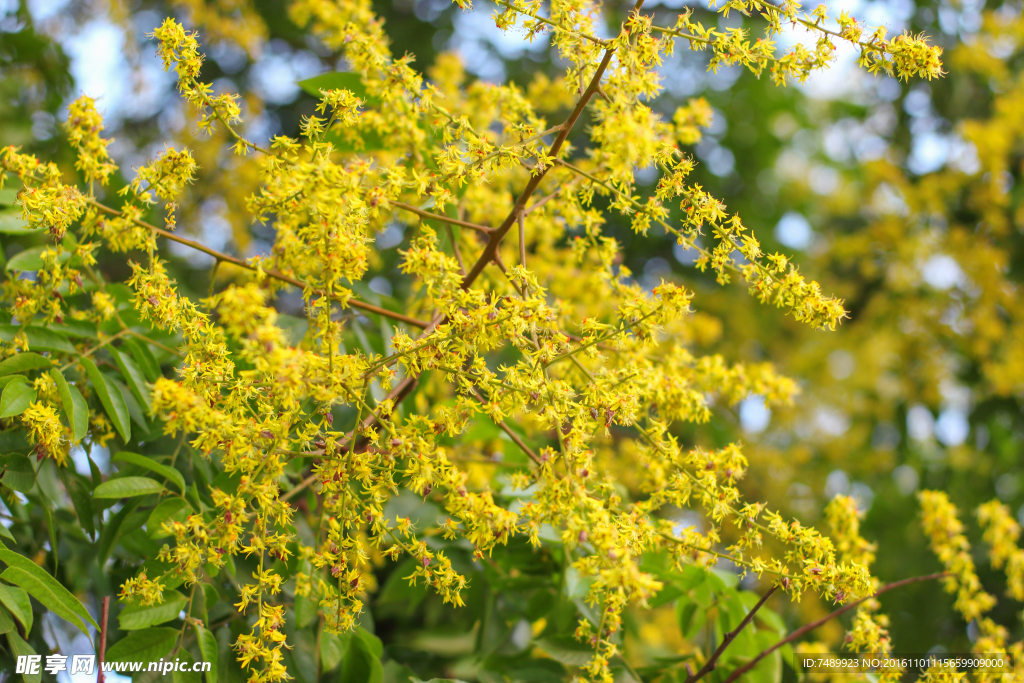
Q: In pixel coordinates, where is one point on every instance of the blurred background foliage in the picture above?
(903, 199)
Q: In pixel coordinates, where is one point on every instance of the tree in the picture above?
(509, 427)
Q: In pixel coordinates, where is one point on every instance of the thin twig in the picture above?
(815, 624)
(396, 396)
(162, 347)
(455, 250)
(543, 201)
(498, 261)
(96, 348)
(522, 238)
(461, 215)
(554, 24)
(443, 219)
(300, 487)
(276, 274)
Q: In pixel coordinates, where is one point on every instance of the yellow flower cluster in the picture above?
(591, 363)
(84, 127)
(142, 591)
(1001, 533)
(945, 532)
(46, 432)
(166, 176)
(869, 633)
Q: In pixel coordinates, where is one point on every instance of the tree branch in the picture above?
(505, 428)
(712, 662)
(520, 206)
(276, 274)
(443, 219)
(100, 678)
(815, 624)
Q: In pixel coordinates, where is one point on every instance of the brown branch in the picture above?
(396, 395)
(455, 250)
(541, 202)
(712, 662)
(443, 219)
(815, 624)
(498, 261)
(276, 274)
(299, 488)
(520, 206)
(505, 428)
(522, 238)
(495, 236)
(103, 638)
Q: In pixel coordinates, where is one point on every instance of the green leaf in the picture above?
(110, 397)
(359, 664)
(208, 649)
(6, 533)
(51, 528)
(136, 618)
(81, 329)
(731, 611)
(134, 409)
(14, 441)
(133, 375)
(27, 574)
(305, 611)
(143, 646)
(187, 675)
(168, 473)
(81, 498)
(567, 650)
(8, 196)
(171, 508)
(769, 669)
(372, 641)
(32, 259)
(75, 408)
(335, 80)
(192, 496)
(39, 338)
(60, 602)
(144, 357)
(17, 603)
(666, 595)
(23, 362)
(18, 472)
(64, 390)
(17, 397)
(703, 594)
(6, 621)
(81, 425)
(577, 586)
(94, 472)
(691, 617)
(127, 487)
(11, 223)
(723, 578)
(114, 528)
(772, 620)
(210, 595)
(332, 647)
(19, 648)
